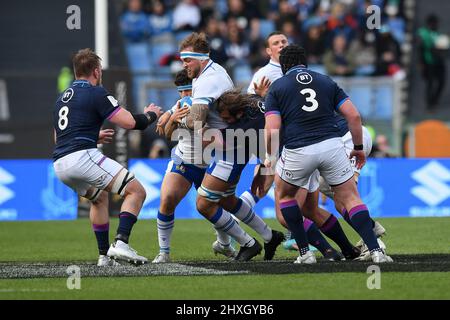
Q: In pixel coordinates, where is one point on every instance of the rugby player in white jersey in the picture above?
(210, 80)
(275, 42)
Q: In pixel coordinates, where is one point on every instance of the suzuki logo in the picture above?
(5, 193)
(433, 179)
(147, 177)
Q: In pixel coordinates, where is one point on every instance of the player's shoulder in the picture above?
(320, 76)
(214, 71)
(99, 90)
(280, 83)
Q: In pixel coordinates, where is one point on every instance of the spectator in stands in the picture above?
(314, 43)
(287, 12)
(363, 49)
(246, 16)
(186, 16)
(395, 21)
(381, 148)
(432, 62)
(216, 41)
(304, 8)
(388, 54)
(160, 21)
(134, 22)
(207, 12)
(340, 22)
(236, 48)
(291, 31)
(339, 61)
(258, 55)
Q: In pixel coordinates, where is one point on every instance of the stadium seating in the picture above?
(138, 56)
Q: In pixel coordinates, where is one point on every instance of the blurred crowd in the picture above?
(334, 32)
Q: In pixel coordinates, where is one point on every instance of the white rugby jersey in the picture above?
(207, 87)
(212, 82)
(272, 71)
(186, 149)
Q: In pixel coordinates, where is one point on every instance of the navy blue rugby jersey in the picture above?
(252, 119)
(78, 116)
(307, 102)
(342, 125)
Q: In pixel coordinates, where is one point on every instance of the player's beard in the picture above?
(194, 72)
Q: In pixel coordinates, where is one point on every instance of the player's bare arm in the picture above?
(198, 113)
(125, 119)
(175, 120)
(271, 130)
(162, 121)
(351, 114)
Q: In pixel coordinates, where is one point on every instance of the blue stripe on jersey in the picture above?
(296, 68)
(207, 66)
(341, 103)
(271, 113)
(81, 83)
(207, 100)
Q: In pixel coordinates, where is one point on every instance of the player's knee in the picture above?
(140, 192)
(203, 206)
(124, 182)
(136, 190)
(102, 198)
(168, 202)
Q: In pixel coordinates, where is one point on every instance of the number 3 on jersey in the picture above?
(310, 98)
(63, 120)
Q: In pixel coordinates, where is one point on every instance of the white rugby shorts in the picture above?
(84, 169)
(348, 144)
(297, 166)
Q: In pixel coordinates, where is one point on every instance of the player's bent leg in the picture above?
(209, 194)
(173, 189)
(99, 217)
(134, 195)
(291, 212)
(244, 212)
(328, 225)
(347, 194)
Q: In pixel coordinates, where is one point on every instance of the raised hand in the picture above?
(154, 108)
(263, 87)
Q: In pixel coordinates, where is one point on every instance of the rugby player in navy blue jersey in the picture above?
(78, 116)
(246, 112)
(244, 115)
(303, 104)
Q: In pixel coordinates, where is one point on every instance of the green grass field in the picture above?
(70, 242)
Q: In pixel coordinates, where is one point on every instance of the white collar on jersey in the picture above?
(276, 64)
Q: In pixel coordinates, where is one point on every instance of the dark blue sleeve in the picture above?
(105, 104)
(340, 97)
(271, 103)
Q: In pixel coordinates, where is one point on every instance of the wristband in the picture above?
(151, 117)
(358, 147)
